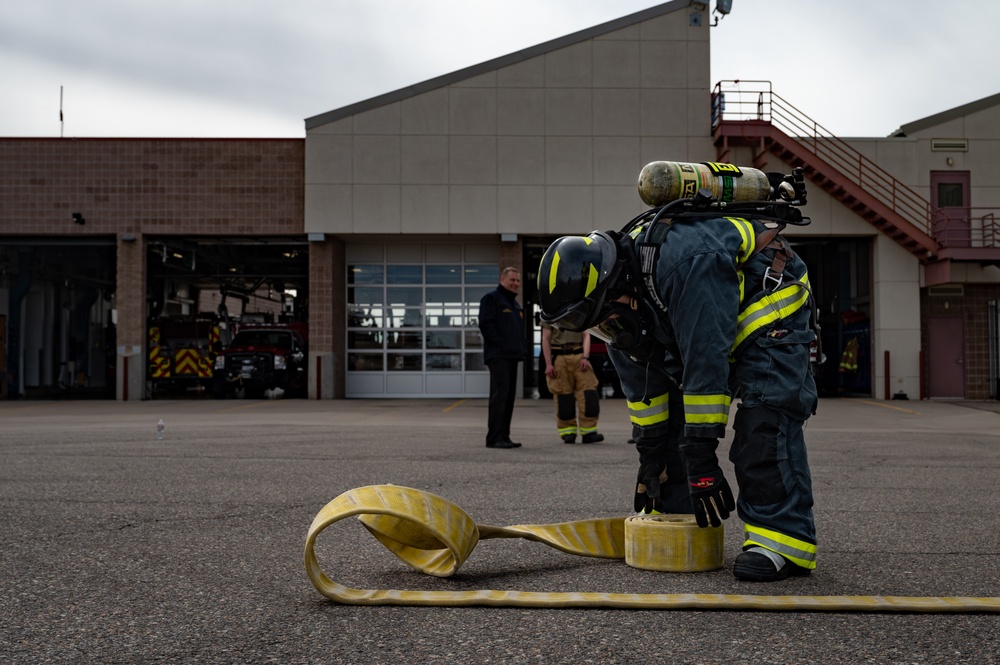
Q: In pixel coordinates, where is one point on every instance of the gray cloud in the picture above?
(852, 65)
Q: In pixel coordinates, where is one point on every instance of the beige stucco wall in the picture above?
(549, 145)
(897, 276)
(895, 318)
(911, 159)
(552, 144)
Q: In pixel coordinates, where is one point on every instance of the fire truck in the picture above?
(182, 353)
(263, 359)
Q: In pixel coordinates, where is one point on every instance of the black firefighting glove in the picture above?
(651, 481)
(650, 486)
(709, 490)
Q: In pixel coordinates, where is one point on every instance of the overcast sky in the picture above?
(258, 68)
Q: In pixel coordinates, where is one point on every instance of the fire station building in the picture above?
(383, 228)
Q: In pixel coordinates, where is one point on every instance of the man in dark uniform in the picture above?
(501, 321)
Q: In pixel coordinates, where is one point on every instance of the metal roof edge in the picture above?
(945, 116)
(496, 63)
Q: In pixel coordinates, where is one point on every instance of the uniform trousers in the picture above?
(503, 391)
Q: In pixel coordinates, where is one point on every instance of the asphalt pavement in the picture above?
(119, 547)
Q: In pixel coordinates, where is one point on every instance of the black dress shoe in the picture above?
(514, 444)
(501, 444)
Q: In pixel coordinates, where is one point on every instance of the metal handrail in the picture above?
(976, 227)
(757, 104)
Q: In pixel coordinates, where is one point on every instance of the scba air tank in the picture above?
(663, 182)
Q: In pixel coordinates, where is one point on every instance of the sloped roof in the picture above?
(946, 116)
(496, 63)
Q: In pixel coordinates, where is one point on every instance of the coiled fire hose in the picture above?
(435, 537)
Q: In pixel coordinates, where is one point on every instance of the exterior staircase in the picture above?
(750, 114)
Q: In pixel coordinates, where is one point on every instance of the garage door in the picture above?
(412, 318)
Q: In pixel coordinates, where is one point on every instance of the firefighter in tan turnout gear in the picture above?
(572, 382)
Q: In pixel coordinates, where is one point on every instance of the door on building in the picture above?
(946, 357)
(201, 291)
(840, 275)
(413, 318)
(534, 376)
(59, 298)
(950, 198)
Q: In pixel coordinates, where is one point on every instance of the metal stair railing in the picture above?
(759, 103)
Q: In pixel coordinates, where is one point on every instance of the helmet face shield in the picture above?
(620, 327)
(575, 318)
(608, 331)
(624, 327)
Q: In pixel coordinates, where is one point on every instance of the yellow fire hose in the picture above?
(435, 537)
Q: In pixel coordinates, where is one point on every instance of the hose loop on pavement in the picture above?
(435, 537)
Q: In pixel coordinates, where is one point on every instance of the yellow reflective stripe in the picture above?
(591, 280)
(749, 242)
(563, 431)
(706, 409)
(553, 271)
(657, 411)
(773, 306)
(797, 551)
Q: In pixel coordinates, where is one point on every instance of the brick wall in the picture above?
(159, 186)
(141, 187)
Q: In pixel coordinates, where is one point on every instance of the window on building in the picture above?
(950, 195)
(412, 317)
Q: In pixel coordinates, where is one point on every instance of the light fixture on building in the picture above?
(722, 8)
(128, 237)
(78, 218)
(508, 237)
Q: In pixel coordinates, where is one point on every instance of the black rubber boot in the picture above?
(753, 566)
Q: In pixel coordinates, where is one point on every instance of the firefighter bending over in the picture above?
(698, 308)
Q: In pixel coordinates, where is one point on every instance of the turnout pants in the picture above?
(575, 393)
(778, 394)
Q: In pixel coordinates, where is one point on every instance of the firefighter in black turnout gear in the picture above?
(700, 302)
